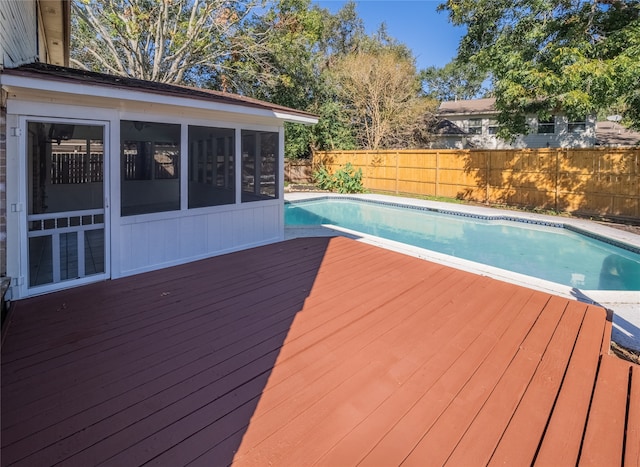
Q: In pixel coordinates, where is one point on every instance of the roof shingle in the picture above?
(73, 75)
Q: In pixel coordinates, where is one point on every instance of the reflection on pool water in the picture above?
(546, 252)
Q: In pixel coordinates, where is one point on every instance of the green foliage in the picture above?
(552, 55)
(345, 180)
(334, 130)
(283, 51)
(324, 179)
(299, 41)
(457, 80)
(342, 32)
(349, 180)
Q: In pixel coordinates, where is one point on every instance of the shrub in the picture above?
(345, 180)
(323, 179)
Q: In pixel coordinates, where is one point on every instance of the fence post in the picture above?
(397, 172)
(437, 173)
(563, 187)
(488, 178)
(557, 180)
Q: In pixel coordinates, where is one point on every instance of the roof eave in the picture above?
(294, 118)
(48, 84)
(468, 113)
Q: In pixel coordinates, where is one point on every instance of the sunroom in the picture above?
(109, 177)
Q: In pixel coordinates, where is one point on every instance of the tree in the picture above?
(553, 55)
(170, 41)
(455, 81)
(382, 91)
(285, 71)
(343, 32)
(298, 43)
(278, 52)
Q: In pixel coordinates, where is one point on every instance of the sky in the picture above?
(415, 23)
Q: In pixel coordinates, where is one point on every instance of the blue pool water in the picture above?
(551, 253)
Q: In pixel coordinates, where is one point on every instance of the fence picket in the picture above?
(601, 182)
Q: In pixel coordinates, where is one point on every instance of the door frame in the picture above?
(25, 290)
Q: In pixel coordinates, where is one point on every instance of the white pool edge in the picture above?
(625, 305)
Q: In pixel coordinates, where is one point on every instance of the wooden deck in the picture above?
(314, 351)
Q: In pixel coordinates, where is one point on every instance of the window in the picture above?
(260, 156)
(493, 127)
(548, 126)
(475, 126)
(150, 157)
(211, 160)
(578, 125)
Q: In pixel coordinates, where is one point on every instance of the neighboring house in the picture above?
(477, 120)
(109, 176)
(448, 135)
(612, 134)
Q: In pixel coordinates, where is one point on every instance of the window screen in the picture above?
(260, 156)
(150, 160)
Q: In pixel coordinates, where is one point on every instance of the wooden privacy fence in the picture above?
(600, 182)
(298, 171)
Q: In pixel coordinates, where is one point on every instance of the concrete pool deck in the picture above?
(625, 305)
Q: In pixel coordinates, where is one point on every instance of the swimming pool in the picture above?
(546, 250)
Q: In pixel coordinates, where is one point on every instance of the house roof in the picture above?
(67, 75)
(614, 134)
(468, 107)
(448, 128)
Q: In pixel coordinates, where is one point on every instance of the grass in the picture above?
(443, 199)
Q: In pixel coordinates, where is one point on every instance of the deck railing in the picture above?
(599, 182)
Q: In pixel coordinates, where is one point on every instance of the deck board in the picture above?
(604, 437)
(495, 350)
(519, 441)
(405, 346)
(453, 343)
(529, 384)
(632, 441)
(312, 351)
(571, 408)
(453, 424)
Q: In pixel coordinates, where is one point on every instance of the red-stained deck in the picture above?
(314, 351)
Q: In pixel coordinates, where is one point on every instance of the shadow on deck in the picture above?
(314, 351)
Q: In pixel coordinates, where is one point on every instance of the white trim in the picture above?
(183, 173)
(298, 118)
(22, 240)
(280, 178)
(181, 119)
(23, 197)
(185, 213)
(35, 109)
(112, 92)
(237, 173)
(142, 242)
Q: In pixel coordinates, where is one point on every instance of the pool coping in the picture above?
(625, 305)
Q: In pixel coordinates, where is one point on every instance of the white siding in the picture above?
(18, 36)
(149, 245)
(150, 241)
(562, 138)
